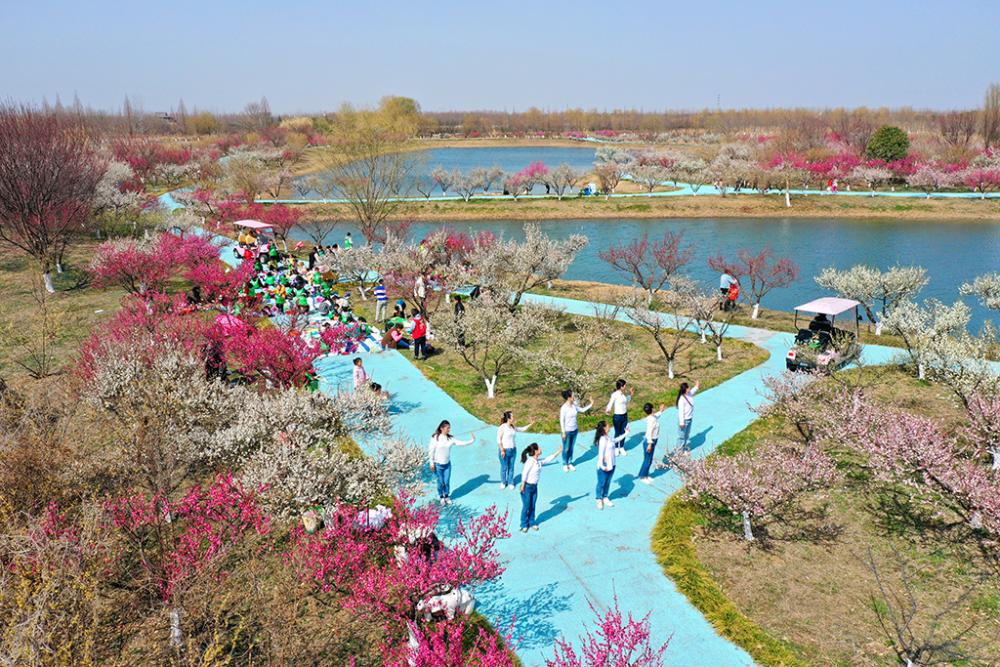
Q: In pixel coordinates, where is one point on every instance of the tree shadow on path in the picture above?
(532, 615)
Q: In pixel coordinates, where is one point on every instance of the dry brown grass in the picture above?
(78, 308)
(772, 320)
(701, 206)
(811, 588)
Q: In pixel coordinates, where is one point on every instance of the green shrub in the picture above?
(889, 143)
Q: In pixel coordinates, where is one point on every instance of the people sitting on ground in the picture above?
(394, 338)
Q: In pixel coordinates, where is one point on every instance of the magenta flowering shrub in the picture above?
(170, 541)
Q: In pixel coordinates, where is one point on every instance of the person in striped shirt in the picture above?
(381, 301)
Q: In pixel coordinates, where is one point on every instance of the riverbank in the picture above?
(685, 206)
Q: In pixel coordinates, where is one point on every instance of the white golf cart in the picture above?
(822, 345)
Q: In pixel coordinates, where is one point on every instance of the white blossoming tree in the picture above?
(872, 286)
(923, 329)
(666, 319)
(509, 268)
(491, 337)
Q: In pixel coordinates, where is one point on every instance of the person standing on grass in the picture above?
(685, 410)
(529, 483)
(459, 314)
(419, 336)
(726, 281)
(440, 457)
(381, 301)
(506, 435)
(618, 406)
(361, 377)
(568, 425)
(652, 435)
(605, 463)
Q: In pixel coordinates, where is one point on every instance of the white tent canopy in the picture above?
(829, 305)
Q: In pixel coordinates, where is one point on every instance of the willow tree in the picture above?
(370, 165)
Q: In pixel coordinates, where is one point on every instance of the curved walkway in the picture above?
(580, 555)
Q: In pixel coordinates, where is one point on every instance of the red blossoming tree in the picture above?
(763, 271)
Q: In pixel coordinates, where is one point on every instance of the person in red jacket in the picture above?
(419, 336)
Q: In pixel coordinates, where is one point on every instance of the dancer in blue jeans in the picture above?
(685, 410)
(529, 483)
(568, 425)
(618, 406)
(605, 463)
(440, 457)
(649, 442)
(506, 436)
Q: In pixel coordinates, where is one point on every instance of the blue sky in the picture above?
(553, 54)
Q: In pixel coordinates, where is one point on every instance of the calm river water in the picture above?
(511, 159)
(952, 252)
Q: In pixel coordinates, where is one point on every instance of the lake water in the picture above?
(951, 252)
(510, 159)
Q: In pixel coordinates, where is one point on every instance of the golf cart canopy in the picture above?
(252, 224)
(830, 305)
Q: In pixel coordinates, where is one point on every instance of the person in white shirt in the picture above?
(508, 448)
(618, 407)
(652, 435)
(685, 410)
(530, 475)
(568, 425)
(439, 454)
(605, 463)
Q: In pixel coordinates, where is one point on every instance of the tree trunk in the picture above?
(49, 287)
(59, 268)
(788, 201)
(718, 352)
(703, 339)
(670, 368)
(878, 328)
(920, 370)
(756, 310)
(176, 639)
(491, 387)
(747, 529)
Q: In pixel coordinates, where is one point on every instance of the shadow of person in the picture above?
(698, 439)
(470, 485)
(634, 441)
(626, 484)
(589, 452)
(558, 506)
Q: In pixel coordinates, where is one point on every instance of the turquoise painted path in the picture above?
(580, 555)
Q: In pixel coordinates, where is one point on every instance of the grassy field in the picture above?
(772, 320)
(803, 594)
(520, 390)
(701, 206)
(38, 326)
